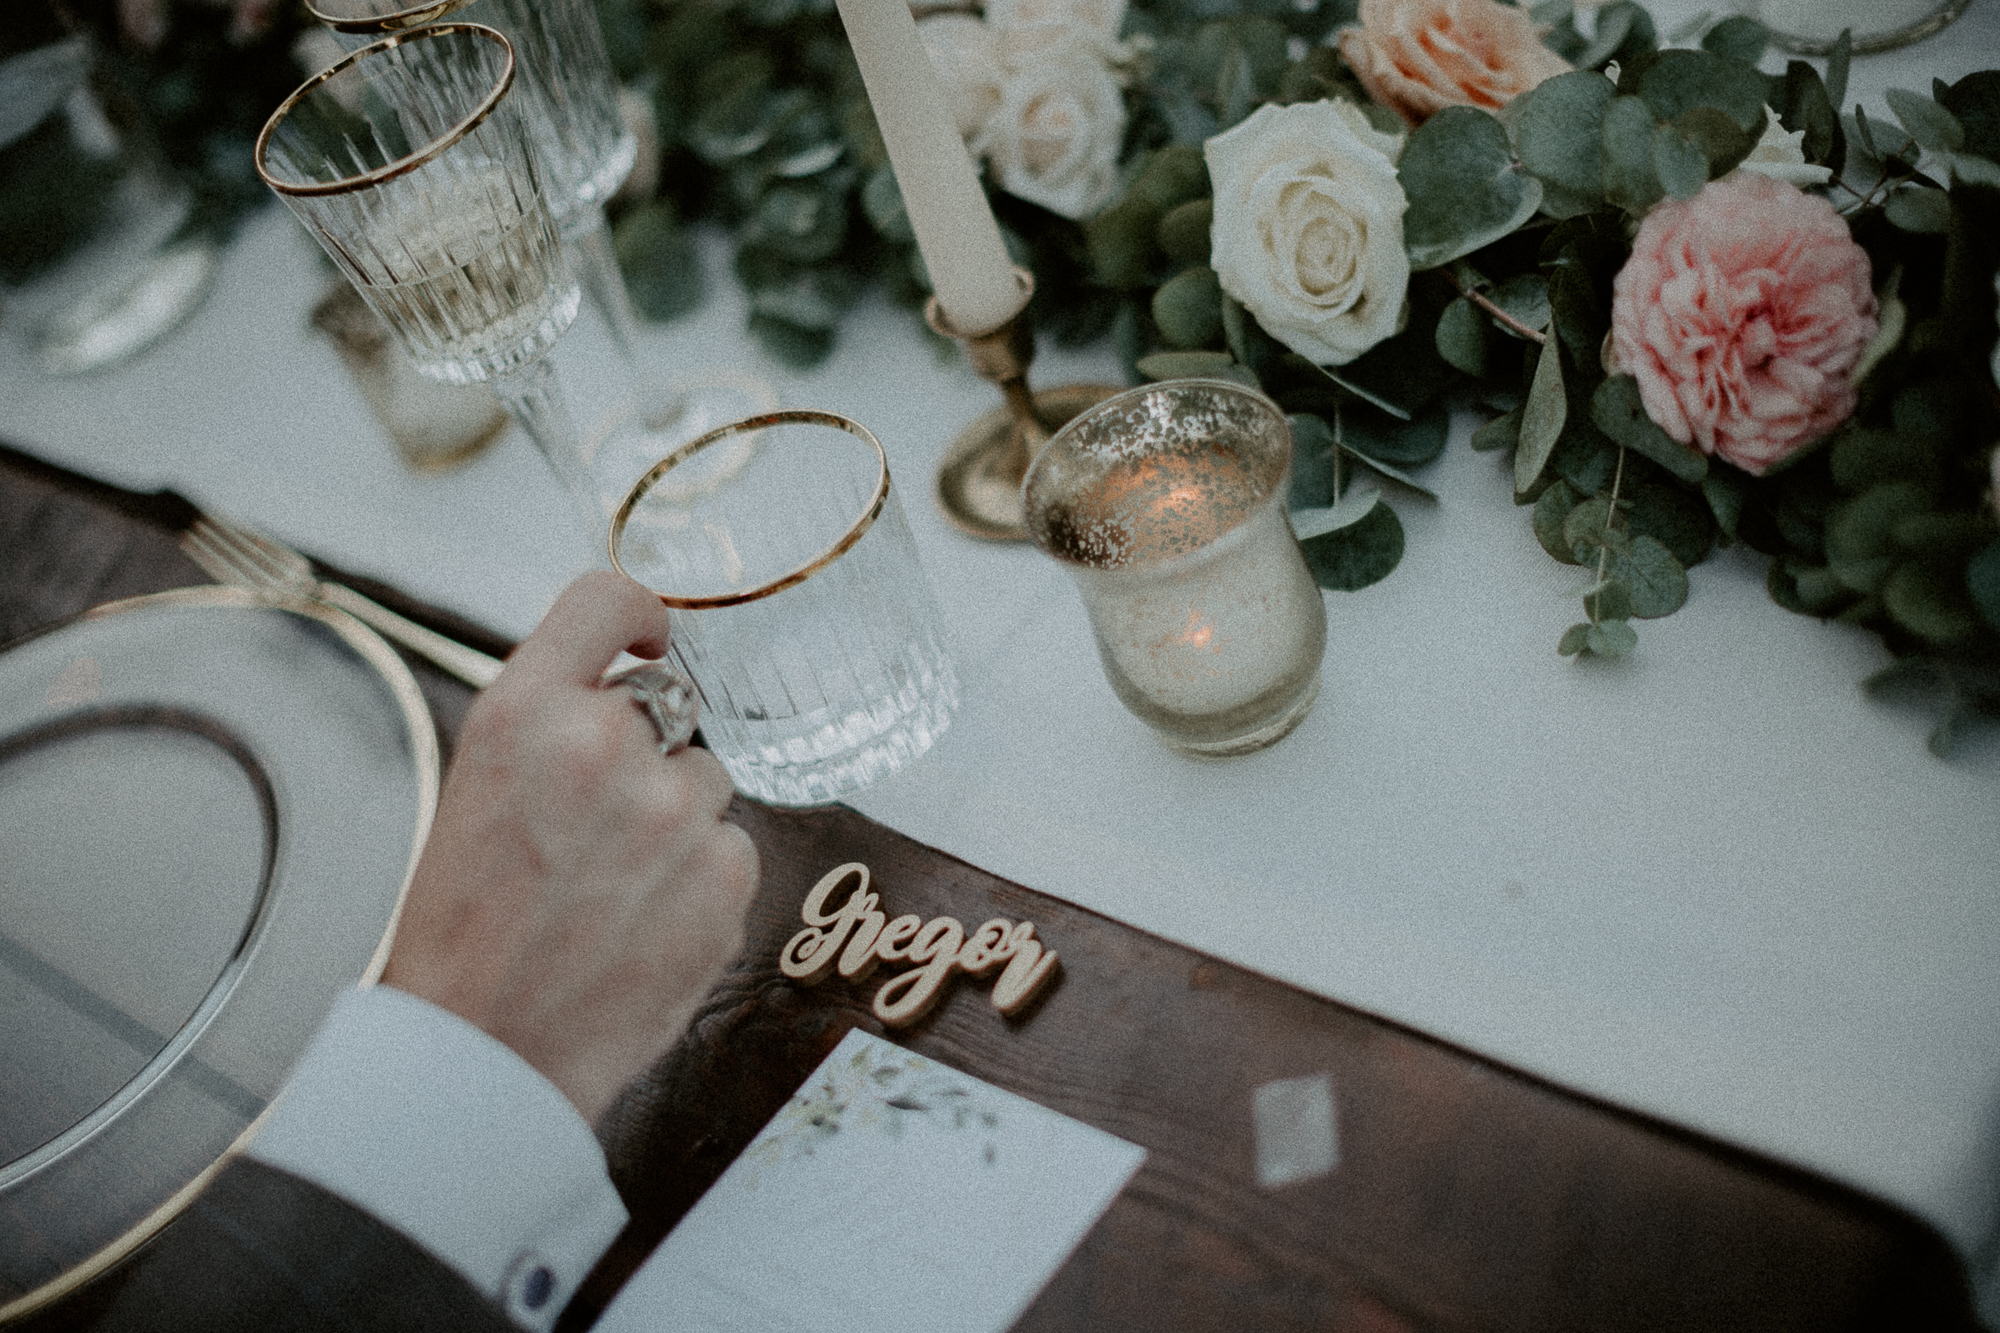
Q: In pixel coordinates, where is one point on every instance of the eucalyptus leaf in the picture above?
(1395, 410)
(1837, 63)
(1630, 179)
(1355, 556)
(1618, 411)
(1574, 640)
(1739, 37)
(662, 268)
(1971, 169)
(1803, 107)
(1559, 125)
(1863, 456)
(1121, 242)
(1380, 437)
(1551, 512)
(1574, 307)
(1678, 81)
(1609, 600)
(1196, 365)
(1525, 297)
(1170, 177)
(1924, 597)
(1184, 231)
(1542, 418)
(1678, 162)
(1463, 186)
(1668, 511)
(1929, 124)
(1587, 529)
(1860, 544)
(1313, 469)
(1819, 591)
(1235, 87)
(1975, 100)
(1656, 582)
(1722, 143)
(1188, 307)
(1349, 510)
(1461, 337)
(792, 345)
(1614, 25)
(1561, 203)
(1245, 341)
(1393, 473)
(1919, 210)
(1725, 492)
(1611, 638)
(1503, 432)
(882, 202)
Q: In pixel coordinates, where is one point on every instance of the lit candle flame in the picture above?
(1198, 632)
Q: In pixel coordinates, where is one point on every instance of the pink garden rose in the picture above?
(1741, 313)
(1417, 57)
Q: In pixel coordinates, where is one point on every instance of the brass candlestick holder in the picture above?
(979, 481)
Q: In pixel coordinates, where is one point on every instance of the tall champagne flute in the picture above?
(413, 169)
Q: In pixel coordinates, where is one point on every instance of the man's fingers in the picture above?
(597, 617)
(709, 787)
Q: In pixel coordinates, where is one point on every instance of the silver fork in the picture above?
(234, 554)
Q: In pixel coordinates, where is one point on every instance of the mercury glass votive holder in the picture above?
(1166, 504)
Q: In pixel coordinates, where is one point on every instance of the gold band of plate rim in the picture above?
(403, 165)
(792, 416)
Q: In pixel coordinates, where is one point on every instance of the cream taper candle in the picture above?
(970, 271)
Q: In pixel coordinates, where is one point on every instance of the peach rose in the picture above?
(1742, 313)
(1418, 57)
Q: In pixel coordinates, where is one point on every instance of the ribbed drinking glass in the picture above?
(800, 609)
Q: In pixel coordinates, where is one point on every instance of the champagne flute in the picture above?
(413, 169)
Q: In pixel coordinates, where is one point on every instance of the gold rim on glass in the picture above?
(416, 16)
(795, 416)
(402, 166)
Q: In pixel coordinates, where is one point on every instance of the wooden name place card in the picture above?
(855, 936)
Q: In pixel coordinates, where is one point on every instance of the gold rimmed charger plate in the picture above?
(210, 805)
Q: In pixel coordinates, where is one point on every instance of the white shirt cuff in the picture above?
(416, 1116)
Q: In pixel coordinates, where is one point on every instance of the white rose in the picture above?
(968, 65)
(1029, 29)
(1308, 230)
(1781, 155)
(1055, 138)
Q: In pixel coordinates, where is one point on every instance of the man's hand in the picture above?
(579, 893)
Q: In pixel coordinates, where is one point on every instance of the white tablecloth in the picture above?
(1710, 882)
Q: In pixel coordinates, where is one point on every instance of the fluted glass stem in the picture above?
(604, 284)
(534, 398)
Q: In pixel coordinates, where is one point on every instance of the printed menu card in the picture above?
(891, 1193)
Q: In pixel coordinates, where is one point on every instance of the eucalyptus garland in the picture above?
(1520, 218)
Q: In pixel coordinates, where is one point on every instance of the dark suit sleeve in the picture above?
(263, 1251)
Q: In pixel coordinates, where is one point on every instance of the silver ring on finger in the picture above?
(666, 696)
